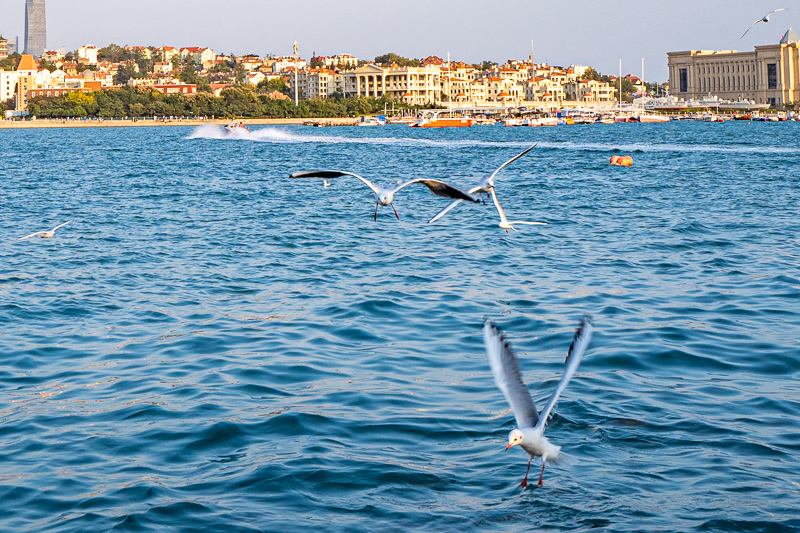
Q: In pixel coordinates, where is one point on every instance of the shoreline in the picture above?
(138, 123)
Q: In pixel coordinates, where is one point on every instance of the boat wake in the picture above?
(280, 135)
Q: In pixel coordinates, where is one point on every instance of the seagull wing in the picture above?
(334, 174)
(497, 205)
(748, 29)
(439, 188)
(583, 335)
(504, 165)
(452, 205)
(64, 224)
(508, 377)
(512, 222)
(31, 235)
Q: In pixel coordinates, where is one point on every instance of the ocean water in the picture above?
(210, 346)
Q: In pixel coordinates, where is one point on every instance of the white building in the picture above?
(89, 53)
(8, 84)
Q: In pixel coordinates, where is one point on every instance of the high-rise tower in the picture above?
(35, 28)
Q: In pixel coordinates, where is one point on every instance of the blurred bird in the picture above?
(44, 234)
(764, 19)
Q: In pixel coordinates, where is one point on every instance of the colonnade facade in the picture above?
(768, 75)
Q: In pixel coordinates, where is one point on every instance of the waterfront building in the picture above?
(8, 84)
(35, 28)
(770, 74)
(27, 79)
(412, 85)
(589, 91)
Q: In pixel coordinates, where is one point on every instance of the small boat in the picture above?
(232, 128)
(378, 120)
(433, 120)
(652, 118)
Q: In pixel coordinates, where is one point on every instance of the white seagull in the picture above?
(385, 195)
(765, 18)
(504, 222)
(530, 424)
(44, 234)
(484, 187)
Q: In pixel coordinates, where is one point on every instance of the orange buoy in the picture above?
(614, 160)
(626, 161)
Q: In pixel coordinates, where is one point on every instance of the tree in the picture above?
(188, 75)
(387, 59)
(275, 84)
(591, 74)
(239, 73)
(125, 73)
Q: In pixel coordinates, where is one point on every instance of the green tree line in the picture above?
(238, 101)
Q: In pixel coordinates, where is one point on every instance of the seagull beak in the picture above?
(510, 444)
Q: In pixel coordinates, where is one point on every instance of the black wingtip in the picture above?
(580, 331)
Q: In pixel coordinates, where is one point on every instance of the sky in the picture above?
(597, 33)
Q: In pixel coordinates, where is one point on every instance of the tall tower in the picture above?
(35, 28)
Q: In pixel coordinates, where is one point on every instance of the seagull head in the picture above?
(514, 438)
(385, 198)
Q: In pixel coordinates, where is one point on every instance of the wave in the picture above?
(281, 135)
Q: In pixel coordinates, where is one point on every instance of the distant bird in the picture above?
(484, 186)
(529, 434)
(385, 195)
(326, 183)
(504, 222)
(764, 19)
(44, 234)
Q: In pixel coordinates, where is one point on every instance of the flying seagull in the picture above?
(504, 222)
(529, 434)
(385, 195)
(44, 234)
(764, 19)
(485, 185)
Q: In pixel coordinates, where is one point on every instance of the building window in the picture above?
(772, 75)
(684, 80)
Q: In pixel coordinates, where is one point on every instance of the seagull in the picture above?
(326, 183)
(44, 234)
(385, 195)
(504, 223)
(485, 185)
(529, 434)
(764, 19)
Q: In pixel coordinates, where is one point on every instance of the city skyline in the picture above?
(586, 33)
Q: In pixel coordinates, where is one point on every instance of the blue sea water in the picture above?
(210, 346)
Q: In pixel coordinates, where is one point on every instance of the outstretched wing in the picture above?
(512, 222)
(748, 29)
(583, 335)
(64, 224)
(508, 377)
(504, 165)
(440, 188)
(31, 235)
(327, 174)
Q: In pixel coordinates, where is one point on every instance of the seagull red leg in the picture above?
(525, 481)
(541, 474)
(376, 211)
(395, 211)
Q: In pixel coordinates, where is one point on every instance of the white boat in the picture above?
(371, 121)
(652, 118)
(741, 105)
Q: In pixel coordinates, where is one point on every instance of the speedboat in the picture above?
(232, 128)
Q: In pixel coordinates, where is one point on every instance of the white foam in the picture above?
(281, 135)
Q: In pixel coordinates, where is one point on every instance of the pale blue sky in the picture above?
(588, 32)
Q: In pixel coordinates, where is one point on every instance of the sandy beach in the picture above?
(119, 123)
